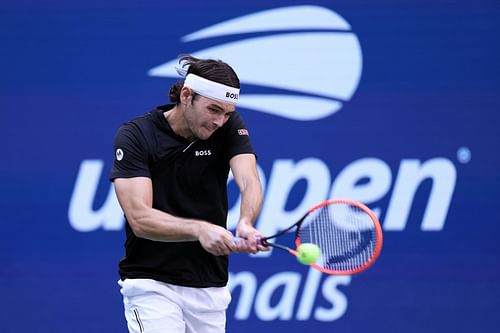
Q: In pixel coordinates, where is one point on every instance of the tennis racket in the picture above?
(347, 233)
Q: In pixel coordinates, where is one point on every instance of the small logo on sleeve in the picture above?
(242, 131)
(119, 154)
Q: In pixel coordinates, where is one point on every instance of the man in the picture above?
(170, 175)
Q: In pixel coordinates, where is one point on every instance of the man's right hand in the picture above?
(216, 240)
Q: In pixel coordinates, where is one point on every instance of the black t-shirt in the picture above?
(189, 180)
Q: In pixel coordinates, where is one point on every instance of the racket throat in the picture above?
(278, 246)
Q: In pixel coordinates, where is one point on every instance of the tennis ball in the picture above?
(308, 253)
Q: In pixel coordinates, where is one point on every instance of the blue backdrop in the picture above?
(388, 102)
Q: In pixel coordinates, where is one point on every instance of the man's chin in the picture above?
(205, 134)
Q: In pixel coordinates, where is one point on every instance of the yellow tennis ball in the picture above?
(308, 253)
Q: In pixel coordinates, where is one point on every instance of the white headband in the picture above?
(212, 89)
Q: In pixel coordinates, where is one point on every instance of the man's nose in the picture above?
(219, 120)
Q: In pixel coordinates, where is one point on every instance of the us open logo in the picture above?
(307, 55)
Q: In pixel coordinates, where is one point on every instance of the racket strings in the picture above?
(345, 234)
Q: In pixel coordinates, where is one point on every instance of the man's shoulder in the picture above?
(235, 121)
(147, 122)
(144, 119)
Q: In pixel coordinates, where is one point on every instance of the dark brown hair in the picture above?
(210, 69)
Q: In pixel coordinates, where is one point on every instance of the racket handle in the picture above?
(237, 239)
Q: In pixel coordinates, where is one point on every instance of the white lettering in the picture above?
(376, 172)
(283, 310)
(337, 299)
(367, 180)
(203, 152)
(284, 175)
(266, 306)
(411, 174)
(248, 283)
(309, 294)
(81, 215)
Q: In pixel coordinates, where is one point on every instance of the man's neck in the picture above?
(175, 119)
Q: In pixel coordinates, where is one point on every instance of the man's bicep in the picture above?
(244, 168)
(134, 194)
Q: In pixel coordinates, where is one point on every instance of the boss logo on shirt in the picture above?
(203, 152)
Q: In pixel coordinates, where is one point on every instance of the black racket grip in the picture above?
(262, 241)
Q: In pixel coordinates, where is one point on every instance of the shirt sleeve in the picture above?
(131, 154)
(238, 137)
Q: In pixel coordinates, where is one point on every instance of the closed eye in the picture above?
(216, 110)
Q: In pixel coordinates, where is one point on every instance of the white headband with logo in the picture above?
(211, 89)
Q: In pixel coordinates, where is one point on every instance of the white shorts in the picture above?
(153, 307)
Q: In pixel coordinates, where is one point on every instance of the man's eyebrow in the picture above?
(215, 106)
(219, 109)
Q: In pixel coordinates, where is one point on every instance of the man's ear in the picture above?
(186, 94)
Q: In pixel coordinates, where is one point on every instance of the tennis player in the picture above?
(170, 175)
